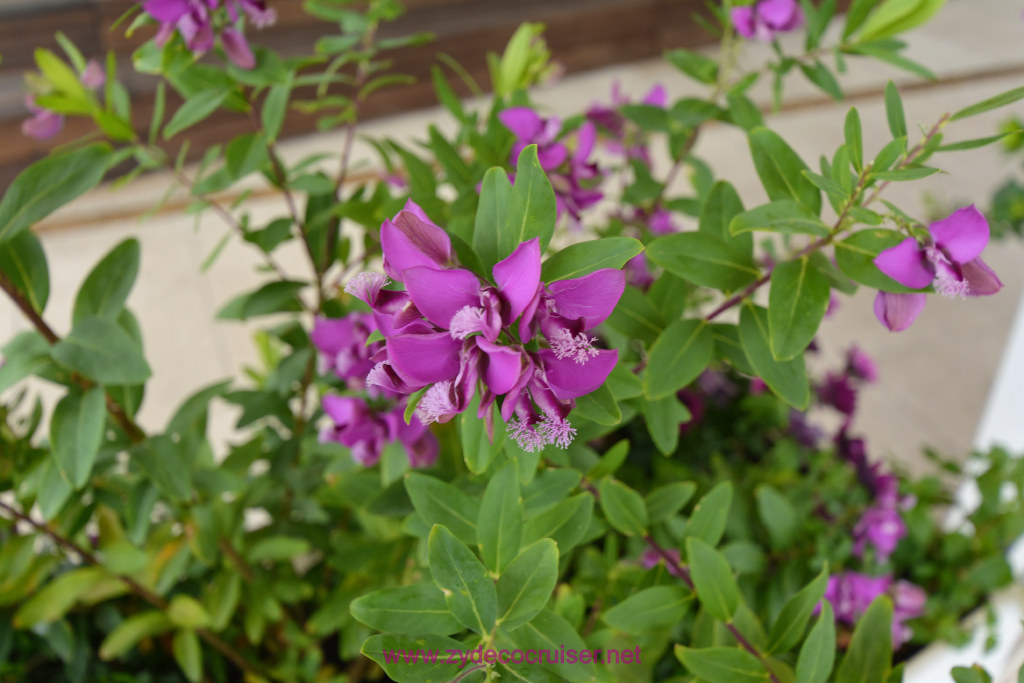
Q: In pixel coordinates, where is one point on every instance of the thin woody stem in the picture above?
(70, 547)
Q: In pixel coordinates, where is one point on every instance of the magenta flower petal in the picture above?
(344, 410)
(43, 125)
(504, 366)
(331, 335)
(569, 379)
(743, 21)
(981, 280)
(781, 15)
(585, 139)
(439, 294)
(906, 263)
(962, 235)
(592, 297)
(549, 157)
(421, 359)
(518, 277)
(237, 48)
(898, 311)
(93, 76)
(524, 122)
(656, 97)
(168, 11)
(402, 250)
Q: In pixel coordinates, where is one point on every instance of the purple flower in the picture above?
(450, 332)
(765, 18)
(803, 430)
(343, 348)
(626, 140)
(366, 432)
(195, 21)
(950, 260)
(569, 173)
(861, 366)
(882, 527)
(838, 392)
(851, 594)
(908, 602)
(651, 558)
(45, 124)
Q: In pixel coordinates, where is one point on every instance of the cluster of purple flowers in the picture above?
(197, 23)
(44, 123)
(365, 427)
(572, 173)
(449, 333)
(949, 260)
(851, 593)
(766, 18)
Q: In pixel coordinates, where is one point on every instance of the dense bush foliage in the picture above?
(540, 391)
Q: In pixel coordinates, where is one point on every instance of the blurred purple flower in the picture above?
(765, 18)
(45, 124)
(366, 432)
(343, 348)
(882, 527)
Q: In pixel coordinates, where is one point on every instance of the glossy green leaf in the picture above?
(129, 632)
(712, 579)
(76, 432)
(787, 379)
(468, 589)
(898, 16)
(531, 210)
(722, 664)
(797, 302)
(663, 418)
(699, 67)
(495, 197)
(820, 75)
(526, 584)
(789, 626)
(818, 653)
(869, 656)
(583, 258)
(683, 350)
(723, 204)
(781, 170)
(100, 350)
(549, 631)
(599, 406)
(623, 507)
(783, 216)
(49, 184)
(477, 450)
(667, 500)
(196, 108)
(610, 461)
(419, 608)
(1000, 100)
(564, 523)
(414, 669)
(500, 523)
(704, 259)
(188, 654)
(439, 502)
(707, 522)
(23, 262)
(654, 609)
(106, 288)
(778, 515)
(854, 138)
(894, 111)
(53, 600)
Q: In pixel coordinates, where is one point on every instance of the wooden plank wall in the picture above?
(583, 34)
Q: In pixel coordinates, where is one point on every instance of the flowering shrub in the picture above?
(537, 398)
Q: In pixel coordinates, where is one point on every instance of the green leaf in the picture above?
(787, 379)
(683, 350)
(584, 258)
(245, 154)
(500, 523)
(610, 462)
(883, 51)
(869, 657)
(647, 116)
(783, 216)
(663, 418)
(76, 432)
(439, 502)
(409, 670)
(106, 288)
(855, 257)
(599, 406)
(223, 596)
(278, 548)
(23, 261)
(778, 515)
(655, 609)
(721, 206)
(195, 109)
(186, 612)
(419, 608)
(667, 500)
(100, 350)
(818, 653)
(975, 674)
(53, 600)
(699, 67)
(467, 588)
(455, 167)
(129, 632)
(855, 16)
(495, 198)
(564, 523)
(704, 259)
(781, 170)
(819, 75)
(49, 184)
(166, 465)
(477, 450)
(894, 111)
(789, 626)
(712, 579)
(531, 210)
(623, 507)
(188, 654)
(1000, 100)
(797, 302)
(710, 514)
(635, 317)
(53, 491)
(854, 138)
(905, 174)
(549, 631)
(898, 16)
(722, 664)
(527, 583)
(279, 296)
(275, 107)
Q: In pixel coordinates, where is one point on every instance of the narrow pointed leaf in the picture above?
(712, 579)
(797, 302)
(500, 523)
